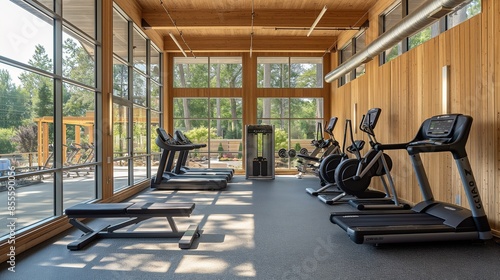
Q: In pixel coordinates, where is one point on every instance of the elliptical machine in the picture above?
(328, 164)
(328, 146)
(353, 176)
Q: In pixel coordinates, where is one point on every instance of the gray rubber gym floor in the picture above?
(258, 229)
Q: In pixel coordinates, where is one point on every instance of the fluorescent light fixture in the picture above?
(445, 89)
(317, 20)
(177, 43)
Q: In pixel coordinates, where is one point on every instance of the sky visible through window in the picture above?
(19, 43)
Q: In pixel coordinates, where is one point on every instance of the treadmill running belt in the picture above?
(378, 228)
(385, 220)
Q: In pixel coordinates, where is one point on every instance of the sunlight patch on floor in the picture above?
(132, 262)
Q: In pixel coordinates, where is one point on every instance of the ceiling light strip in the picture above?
(180, 33)
(317, 20)
(177, 43)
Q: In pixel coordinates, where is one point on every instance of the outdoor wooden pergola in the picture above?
(87, 122)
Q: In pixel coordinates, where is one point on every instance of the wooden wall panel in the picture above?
(408, 89)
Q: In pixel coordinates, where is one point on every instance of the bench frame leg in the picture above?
(186, 238)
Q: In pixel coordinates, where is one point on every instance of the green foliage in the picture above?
(297, 147)
(200, 134)
(240, 149)
(32, 83)
(474, 8)
(225, 75)
(6, 144)
(285, 75)
(273, 75)
(280, 139)
(420, 38)
(220, 149)
(15, 106)
(78, 64)
(191, 75)
(393, 53)
(45, 104)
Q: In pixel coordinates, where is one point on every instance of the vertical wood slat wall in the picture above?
(408, 89)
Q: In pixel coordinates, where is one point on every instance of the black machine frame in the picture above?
(429, 220)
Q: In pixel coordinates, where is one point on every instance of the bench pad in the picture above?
(129, 209)
(98, 208)
(169, 209)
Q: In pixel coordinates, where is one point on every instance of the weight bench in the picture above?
(137, 212)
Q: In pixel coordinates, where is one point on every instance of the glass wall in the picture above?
(345, 53)
(216, 122)
(295, 121)
(136, 103)
(389, 19)
(48, 88)
(207, 72)
(402, 8)
(289, 72)
(359, 45)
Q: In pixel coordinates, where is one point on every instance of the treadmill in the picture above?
(429, 220)
(167, 180)
(182, 168)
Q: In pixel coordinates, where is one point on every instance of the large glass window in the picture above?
(154, 66)
(136, 103)
(355, 45)
(78, 59)
(425, 34)
(389, 19)
(26, 35)
(204, 72)
(403, 8)
(139, 51)
(48, 128)
(295, 121)
(225, 72)
(216, 122)
(120, 36)
(289, 72)
(465, 13)
(121, 147)
(360, 44)
(345, 53)
(191, 72)
(81, 14)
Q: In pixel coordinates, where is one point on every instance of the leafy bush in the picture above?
(7, 146)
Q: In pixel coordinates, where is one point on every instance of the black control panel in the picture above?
(260, 129)
(441, 126)
(331, 125)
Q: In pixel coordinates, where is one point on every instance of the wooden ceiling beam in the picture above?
(188, 18)
(318, 44)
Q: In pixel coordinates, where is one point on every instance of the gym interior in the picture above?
(280, 140)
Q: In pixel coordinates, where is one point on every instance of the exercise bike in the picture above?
(353, 176)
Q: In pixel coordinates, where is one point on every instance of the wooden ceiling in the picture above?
(278, 25)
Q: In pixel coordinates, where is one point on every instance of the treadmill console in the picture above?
(162, 133)
(441, 126)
